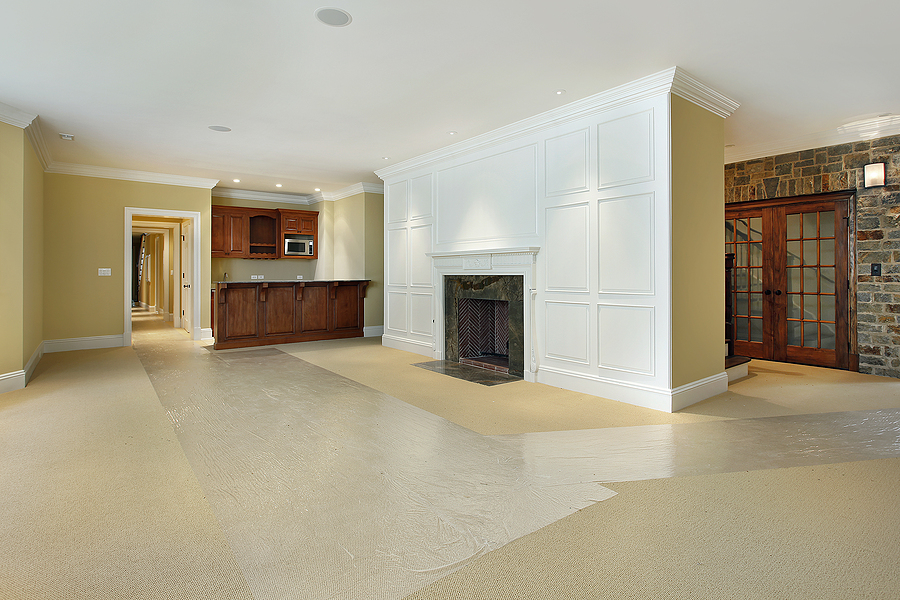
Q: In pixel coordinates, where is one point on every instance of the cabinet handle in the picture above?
(777, 292)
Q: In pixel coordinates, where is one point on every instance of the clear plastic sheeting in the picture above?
(328, 489)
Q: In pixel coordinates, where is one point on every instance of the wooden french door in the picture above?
(791, 279)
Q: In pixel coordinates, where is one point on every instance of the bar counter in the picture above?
(257, 313)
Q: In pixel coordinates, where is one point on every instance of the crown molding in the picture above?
(692, 89)
(858, 131)
(128, 175)
(13, 116)
(353, 190)
(36, 137)
(674, 80)
(261, 196)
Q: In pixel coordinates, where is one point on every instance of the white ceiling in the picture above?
(312, 106)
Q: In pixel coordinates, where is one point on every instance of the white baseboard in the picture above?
(12, 381)
(84, 343)
(374, 331)
(33, 362)
(205, 333)
(169, 317)
(661, 399)
(396, 343)
(738, 371)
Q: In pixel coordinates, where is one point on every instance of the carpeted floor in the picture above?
(100, 500)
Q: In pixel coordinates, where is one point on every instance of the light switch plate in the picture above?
(104, 272)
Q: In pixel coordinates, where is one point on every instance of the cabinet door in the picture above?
(308, 224)
(229, 232)
(290, 224)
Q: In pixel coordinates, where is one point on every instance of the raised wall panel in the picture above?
(567, 247)
(396, 312)
(566, 163)
(397, 256)
(419, 261)
(626, 338)
(567, 331)
(398, 200)
(626, 149)
(489, 199)
(420, 197)
(421, 314)
(626, 234)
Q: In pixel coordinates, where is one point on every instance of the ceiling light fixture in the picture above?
(236, 180)
(560, 92)
(67, 136)
(333, 17)
(221, 128)
(277, 185)
(451, 132)
(385, 158)
(318, 190)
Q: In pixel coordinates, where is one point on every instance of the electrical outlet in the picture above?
(254, 277)
(299, 276)
(876, 269)
(104, 272)
(260, 276)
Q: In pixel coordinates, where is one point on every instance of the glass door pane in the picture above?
(810, 263)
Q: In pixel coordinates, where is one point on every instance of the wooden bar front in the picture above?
(257, 313)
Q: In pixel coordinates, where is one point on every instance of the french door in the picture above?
(790, 283)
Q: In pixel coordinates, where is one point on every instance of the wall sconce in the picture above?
(874, 174)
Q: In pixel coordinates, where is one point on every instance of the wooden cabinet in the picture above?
(280, 312)
(299, 222)
(240, 232)
(229, 232)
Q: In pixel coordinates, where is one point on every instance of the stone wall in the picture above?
(875, 213)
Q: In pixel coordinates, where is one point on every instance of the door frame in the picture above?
(132, 213)
(850, 197)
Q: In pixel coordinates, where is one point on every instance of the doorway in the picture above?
(791, 279)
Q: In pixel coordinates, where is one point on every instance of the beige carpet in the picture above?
(98, 500)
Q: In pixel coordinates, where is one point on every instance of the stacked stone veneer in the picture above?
(875, 225)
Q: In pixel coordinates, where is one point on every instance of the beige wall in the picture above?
(375, 259)
(33, 312)
(350, 237)
(12, 247)
(698, 243)
(325, 263)
(84, 229)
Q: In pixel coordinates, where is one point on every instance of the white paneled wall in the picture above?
(590, 186)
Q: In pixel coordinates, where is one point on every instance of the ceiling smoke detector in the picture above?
(333, 17)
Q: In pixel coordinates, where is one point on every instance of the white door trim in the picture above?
(130, 213)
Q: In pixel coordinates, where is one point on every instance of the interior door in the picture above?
(791, 280)
(187, 318)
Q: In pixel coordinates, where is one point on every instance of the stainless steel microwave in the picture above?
(298, 247)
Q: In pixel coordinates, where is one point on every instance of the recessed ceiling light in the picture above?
(334, 17)
(236, 180)
(221, 128)
(277, 185)
(560, 92)
(385, 158)
(451, 132)
(318, 190)
(67, 136)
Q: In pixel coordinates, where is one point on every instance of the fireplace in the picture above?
(484, 321)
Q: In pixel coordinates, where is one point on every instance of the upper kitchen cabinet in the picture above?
(301, 229)
(230, 229)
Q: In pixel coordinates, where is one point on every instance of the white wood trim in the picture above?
(12, 381)
(36, 137)
(33, 362)
(129, 175)
(13, 116)
(373, 331)
(219, 192)
(84, 343)
(205, 333)
(423, 348)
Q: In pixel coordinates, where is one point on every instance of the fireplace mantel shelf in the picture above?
(484, 252)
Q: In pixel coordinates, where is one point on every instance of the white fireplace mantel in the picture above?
(498, 261)
(484, 260)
